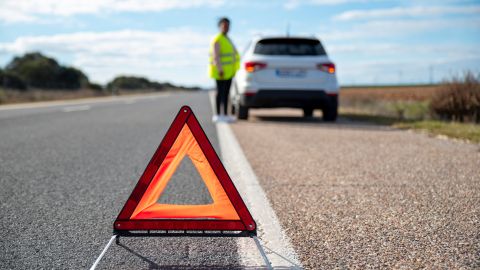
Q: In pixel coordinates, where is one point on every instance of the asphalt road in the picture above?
(67, 170)
(348, 195)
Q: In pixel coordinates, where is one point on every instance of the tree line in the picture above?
(35, 70)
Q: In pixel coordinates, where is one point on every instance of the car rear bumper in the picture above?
(286, 98)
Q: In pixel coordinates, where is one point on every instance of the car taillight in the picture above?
(327, 67)
(254, 66)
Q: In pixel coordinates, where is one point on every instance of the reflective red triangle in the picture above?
(185, 137)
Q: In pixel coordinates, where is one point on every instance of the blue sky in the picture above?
(371, 42)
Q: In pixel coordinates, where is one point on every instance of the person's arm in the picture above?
(216, 58)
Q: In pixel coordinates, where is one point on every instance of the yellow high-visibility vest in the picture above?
(229, 58)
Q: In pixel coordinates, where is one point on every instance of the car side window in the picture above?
(246, 48)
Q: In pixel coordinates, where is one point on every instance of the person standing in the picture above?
(224, 62)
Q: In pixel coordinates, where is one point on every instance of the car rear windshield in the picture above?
(289, 46)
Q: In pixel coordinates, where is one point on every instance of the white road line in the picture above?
(279, 250)
(130, 101)
(76, 108)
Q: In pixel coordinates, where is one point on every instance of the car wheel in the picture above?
(330, 111)
(242, 112)
(307, 112)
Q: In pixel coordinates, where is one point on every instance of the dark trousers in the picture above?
(223, 89)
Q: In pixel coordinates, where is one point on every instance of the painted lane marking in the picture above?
(277, 244)
(130, 101)
(76, 108)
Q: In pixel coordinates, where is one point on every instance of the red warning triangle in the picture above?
(142, 211)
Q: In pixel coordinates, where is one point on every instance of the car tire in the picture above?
(330, 111)
(242, 112)
(307, 112)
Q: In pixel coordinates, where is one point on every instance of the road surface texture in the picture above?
(353, 195)
(67, 170)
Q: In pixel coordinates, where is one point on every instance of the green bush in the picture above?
(9, 80)
(409, 110)
(95, 86)
(71, 78)
(3, 96)
(458, 99)
(39, 71)
(133, 83)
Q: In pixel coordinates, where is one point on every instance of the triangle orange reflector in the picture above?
(185, 139)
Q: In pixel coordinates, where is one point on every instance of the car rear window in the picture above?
(289, 46)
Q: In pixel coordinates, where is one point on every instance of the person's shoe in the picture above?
(216, 118)
(222, 118)
(230, 118)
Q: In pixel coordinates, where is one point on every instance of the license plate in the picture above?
(291, 73)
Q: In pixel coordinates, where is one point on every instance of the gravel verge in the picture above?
(353, 195)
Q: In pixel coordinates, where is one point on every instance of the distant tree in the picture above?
(40, 71)
(169, 85)
(180, 87)
(133, 83)
(35, 69)
(11, 81)
(95, 86)
(157, 85)
(71, 78)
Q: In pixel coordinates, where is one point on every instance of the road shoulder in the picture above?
(353, 195)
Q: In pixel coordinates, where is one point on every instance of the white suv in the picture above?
(285, 72)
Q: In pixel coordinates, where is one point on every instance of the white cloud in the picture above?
(14, 16)
(354, 59)
(377, 29)
(292, 4)
(391, 71)
(416, 11)
(12, 11)
(385, 51)
(163, 56)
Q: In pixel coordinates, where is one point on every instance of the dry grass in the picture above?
(401, 102)
(389, 93)
(14, 96)
(409, 108)
(459, 99)
(463, 131)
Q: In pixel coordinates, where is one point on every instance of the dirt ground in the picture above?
(353, 195)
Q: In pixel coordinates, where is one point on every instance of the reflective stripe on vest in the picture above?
(223, 63)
